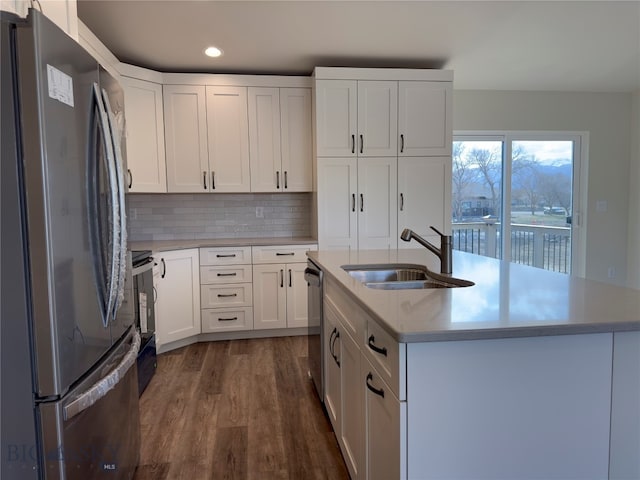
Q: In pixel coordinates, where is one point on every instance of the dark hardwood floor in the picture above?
(239, 409)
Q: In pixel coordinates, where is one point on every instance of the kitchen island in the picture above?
(526, 374)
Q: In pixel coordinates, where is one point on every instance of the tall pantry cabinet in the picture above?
(383, 154)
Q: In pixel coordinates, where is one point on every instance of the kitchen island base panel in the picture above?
(516, 408)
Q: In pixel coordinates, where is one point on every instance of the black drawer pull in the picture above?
(284, 254)
(231, 255)
(372, 346)
(372, 388)
(227, 319)
(227, 274)
(226, 295)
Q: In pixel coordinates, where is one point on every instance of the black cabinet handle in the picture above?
(281, 278)
(227, 319)
(164, 268)
(335, 357)
(401, 201)
(231, 255)
(377, 391)
(361, 202)
(401, 142)
(353, 202)
(226, 274)
(372, 346)
(290, 277)
(353, 144)
(278, 179)
(285, 179)
(333, 332)
(227, 295)
(204, 180)
(130, 177)
(361, 143)
(213, 180)
(288, 254)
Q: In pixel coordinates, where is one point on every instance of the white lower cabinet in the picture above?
(279, 289)
(177, 283)
(226, 289)
(386, 419)
(344, 393)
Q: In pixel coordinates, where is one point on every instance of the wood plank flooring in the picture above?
(238, 409)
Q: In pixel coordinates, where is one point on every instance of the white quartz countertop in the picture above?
(165, 245)
(507, 300)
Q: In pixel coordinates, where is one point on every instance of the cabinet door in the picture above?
(337, 191)
(269, 296)
(185, 131)
(297, 295)
(424, 118)
(264, 140)
(376, 203)
(385, 420)
(332, 394)
(377, 119)
(352, 432)
(146, 163)
(424, 195)
(178, 290)
(296, 144)
(336, 117)
(228, 139)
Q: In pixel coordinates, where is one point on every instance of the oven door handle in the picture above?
(148, 265)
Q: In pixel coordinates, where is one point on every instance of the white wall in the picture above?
(634, 196)
(607, 118)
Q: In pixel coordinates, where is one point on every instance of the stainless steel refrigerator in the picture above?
(69, 380)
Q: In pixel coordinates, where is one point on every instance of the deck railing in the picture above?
(535, 245)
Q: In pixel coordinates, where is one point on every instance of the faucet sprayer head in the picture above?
(406, 235)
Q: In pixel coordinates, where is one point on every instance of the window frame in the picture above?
(580, 141)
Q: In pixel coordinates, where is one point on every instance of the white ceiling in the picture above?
(497, 45)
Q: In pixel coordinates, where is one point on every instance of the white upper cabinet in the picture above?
(377, 118)
(337, 213)
(296, 139)
(186, 138)
(144, 136)
(264, 139)
(336, 117)
(356, 118)
(280, 139)
(228, 137)
(423, 194)
(377, 213)
(424, 118)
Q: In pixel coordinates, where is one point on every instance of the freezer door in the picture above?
(94, 431)
(60, 142)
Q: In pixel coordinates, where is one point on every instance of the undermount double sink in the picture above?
(402, 276)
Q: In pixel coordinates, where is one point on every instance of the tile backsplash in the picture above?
(220, 215)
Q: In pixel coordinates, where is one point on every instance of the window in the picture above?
(533, 180)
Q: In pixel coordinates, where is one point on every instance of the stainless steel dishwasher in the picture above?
(313, 276)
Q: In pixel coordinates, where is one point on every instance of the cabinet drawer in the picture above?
(387, 356)
(225, 256)
(282, 253)
(234, 295)
(231, 274)
(351, 315)
(227, 319)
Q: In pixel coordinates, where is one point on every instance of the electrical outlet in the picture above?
(601, 206)
(611, 272)
(259, 212)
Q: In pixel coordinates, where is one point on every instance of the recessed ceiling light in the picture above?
(212, 52)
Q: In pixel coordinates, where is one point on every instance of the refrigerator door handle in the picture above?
(115, 238)
(120, 207)
(105, 384)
